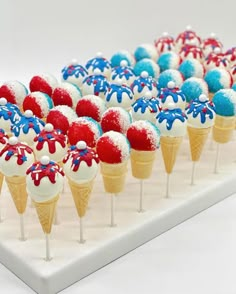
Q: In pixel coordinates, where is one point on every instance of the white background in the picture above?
(37, 36)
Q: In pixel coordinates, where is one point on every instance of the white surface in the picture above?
(72, 261)
(195, 257)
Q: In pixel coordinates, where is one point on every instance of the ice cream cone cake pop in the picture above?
(145, 51)
(148, 65)
(43, 83)
(14, 91)
(201, 117)
(39, 103)
(209, 44)
(194, 87)
(217, 79)
(44, 182)
(66, 94)
(172, 95)
(81, 167)
(143, 84)
(186, 37)
(9, 115)
(146, 108)
(191, 68)
(165, 43)
(50, 142)
(15, 158)
(172, 123)
(95, 84)
(144, 139)
(84, 129)
(123, 72)
(27, 127)
(91, 106)
(168, 60)
(74, 73)
(99, 63)
(169, 75)
(121, 55)
(61, 117)
(115, 119)
(119, 94)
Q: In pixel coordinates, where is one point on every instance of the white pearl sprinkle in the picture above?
(3, 101)
(217, 50)
(48, 128)
(171, 106)
(188, 28)
(28, 113)
(81, 145)
(44, 160)
(165, 34)
(144, 74)
(74, 61)
(171, 85)
(123, 63)
(203, 98)
(97, 71)
(99, 55)
(13, 140)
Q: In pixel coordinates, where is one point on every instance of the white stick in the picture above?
(217, 158)
(81, 232)
(193, 173)
(22, 227)
(1, 218)
(113, 210)
(168, 186)
(48, 251)
(141, 197)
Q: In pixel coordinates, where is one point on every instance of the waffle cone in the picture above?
(1, 181)
(169, 149)
(210, 95)
(17, 188)
(114, 176)
(142, 163)
(197, 140)
(81, 194)
(223, 128)
(46, 212)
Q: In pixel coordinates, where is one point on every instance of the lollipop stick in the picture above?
(193, 173)
(1, 219)
(112, 210)
(48, 251)
(81, 233)
(22, 228)
(217, 158)
(168, 186)
(141, 197)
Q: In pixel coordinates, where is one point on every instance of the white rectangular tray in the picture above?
(72, 261)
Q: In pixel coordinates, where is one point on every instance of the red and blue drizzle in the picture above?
(143, 103)
(38, 171)
(118, 91)
(18, 150)
(204, 109)
(85, 155)
(27, 123)
(99, 83)
(170, 115)
(175, 93)
(74, 70)
(141, 82)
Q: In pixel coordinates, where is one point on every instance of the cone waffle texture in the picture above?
(197, 140)
(46, 212)
(223, 128)
(81, 194)
(169, 149)
(114, 176)
(142, 163)
(1, 181)
(17, 188)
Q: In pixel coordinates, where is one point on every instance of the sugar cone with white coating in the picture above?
(46, 212)
(142, 163)
(1, 181)
(223, 128)
(169, 149)
(81, 194)
(17, 188)
(197, 140)
(114, 176)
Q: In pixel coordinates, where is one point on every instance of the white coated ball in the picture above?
(13, 140)
(44, 160)
(81, 145)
